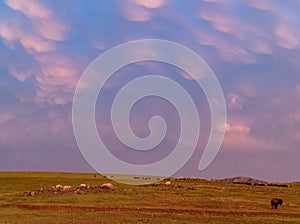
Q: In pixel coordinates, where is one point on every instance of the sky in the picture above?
(252, 46)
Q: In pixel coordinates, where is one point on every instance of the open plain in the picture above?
(178, 201)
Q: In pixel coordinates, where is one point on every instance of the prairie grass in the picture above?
(195, 201)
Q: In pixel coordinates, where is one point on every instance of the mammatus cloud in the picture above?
(252, 46)
(139, 10)
(134, 12)
(243, 39)
(59, 79)
(31, 8)
(12, 30)
(151, 4)
(228, 51)
(285, 29)
(226, 23)
(40, 35)
(285, 36)
(263, 4)
(261, 46)
(238, 45)
(43, 20)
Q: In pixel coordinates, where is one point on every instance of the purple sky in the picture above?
(252, 46)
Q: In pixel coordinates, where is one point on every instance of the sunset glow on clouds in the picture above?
(253, 47)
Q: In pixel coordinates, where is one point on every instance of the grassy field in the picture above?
(197, 201)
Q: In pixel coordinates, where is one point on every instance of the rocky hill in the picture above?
(251, 181)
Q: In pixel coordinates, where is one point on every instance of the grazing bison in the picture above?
(275, 202)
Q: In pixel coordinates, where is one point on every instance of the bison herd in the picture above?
(108, 186)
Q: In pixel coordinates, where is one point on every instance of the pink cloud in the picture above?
(4, 117)
(12, 31)
(237, 46)
(134, 12)
(100, 45)
(286, 36)
(43, 21)
(152, 4)
(284, 28)
(30, 8)
(297, 88)
(216, 1)
(48, 74)
(21, 72)
(224, 20)
(139, 10)
(247, 36)
(239, 137)
(35, 43)
(296, 136)
(261, 46)
(263, 4)
(234, 101)
(58, 79)
(228, 51)
(9, 30)
(51, 29)
(221, 22)
(247, 88)
(239, 128)
(293, 117)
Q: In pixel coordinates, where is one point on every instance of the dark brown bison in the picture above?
(275, 202)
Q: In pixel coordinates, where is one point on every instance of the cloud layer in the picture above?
(252, 46)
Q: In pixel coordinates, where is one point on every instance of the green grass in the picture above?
(197, 201)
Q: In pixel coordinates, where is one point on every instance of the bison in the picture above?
(275, 202)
